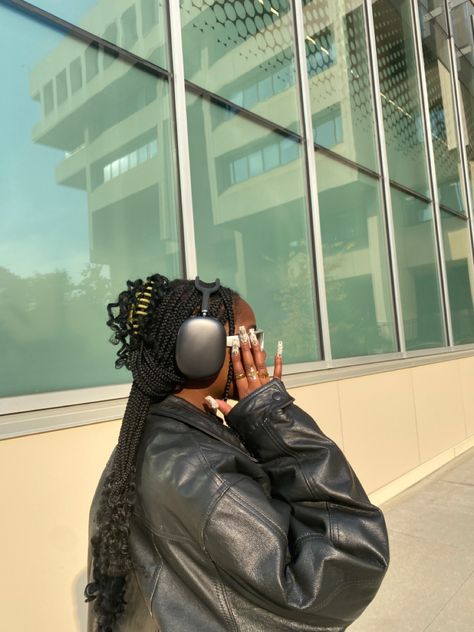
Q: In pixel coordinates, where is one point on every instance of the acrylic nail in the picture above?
(235, 346)
(280, 348)
(212, 403)
(244, 337)
(252, 336)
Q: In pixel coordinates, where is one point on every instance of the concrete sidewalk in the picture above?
(430, 582)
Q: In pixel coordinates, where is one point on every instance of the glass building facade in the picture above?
(316, 155)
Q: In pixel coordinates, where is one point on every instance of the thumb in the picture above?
(217, 404)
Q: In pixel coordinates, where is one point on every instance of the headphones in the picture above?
(201, 342)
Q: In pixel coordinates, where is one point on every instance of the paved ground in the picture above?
(430, 582)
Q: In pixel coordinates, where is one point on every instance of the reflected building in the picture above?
(112, 121)
(375, 246)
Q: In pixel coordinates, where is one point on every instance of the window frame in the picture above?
(46, 411)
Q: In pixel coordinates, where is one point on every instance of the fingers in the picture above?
(239, 373)
(259, 357)
(217, 404)
(250, 371)
(278, 370)
(253, 380)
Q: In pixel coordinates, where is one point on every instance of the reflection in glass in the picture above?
(358, 291)
(87, 187)
(462, 20)
(433, 10)
(466, 84)
(442, 114)
(250, 221)
(460, 272)
(417, 272)
(136, 25)
(338, 73)
(243, 51)
(399, 93)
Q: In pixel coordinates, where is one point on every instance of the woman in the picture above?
(197, 525)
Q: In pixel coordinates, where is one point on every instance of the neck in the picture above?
(195, 396)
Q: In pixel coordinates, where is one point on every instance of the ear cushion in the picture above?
(200, 347)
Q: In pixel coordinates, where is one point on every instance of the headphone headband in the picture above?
(206, 289)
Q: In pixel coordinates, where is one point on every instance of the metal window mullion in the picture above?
(438, 233)
(311, 180)
(182, 146)
(385, 179)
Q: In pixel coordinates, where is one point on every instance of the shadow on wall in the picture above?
(80, 606)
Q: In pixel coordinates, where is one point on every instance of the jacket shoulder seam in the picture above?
(162, 535)
(250, 508)
(288, 451)
(158, 574)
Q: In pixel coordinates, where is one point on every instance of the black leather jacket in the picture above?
(259, 526)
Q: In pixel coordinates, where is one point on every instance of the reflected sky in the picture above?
(44, 225)
(87, 199)
(72, 10)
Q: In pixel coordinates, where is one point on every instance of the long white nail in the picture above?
(244, 337)
(235, 346)
(280, 348)
(212, 403)
(252, 336)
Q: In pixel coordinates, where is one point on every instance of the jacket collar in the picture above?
(182, 410)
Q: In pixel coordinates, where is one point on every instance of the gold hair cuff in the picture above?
(141, 307)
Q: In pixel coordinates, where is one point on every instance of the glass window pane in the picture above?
(78, 217)
(251, 230)
(151, 14)
(271, 156)
(436, 11)
(339, 80)
(462, 19)
(400, 96)
(418, 272)
(243, 51)
(128, 23)
(140, 28)
(76, 74)
(355, 261)
(61, 87)
(255, 163)
(466, 83)
(460, 272)
(241, 169)
(442, 113)
(91, 58)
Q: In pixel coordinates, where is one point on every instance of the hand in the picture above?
(250, 371)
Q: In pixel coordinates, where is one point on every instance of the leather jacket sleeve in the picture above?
(315, 548)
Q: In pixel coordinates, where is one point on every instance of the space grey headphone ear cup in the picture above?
(200, 347)
(201, 341)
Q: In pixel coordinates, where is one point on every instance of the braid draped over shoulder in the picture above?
(145, 321)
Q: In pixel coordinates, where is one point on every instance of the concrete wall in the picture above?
(394, 428)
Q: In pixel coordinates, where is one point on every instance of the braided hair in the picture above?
(145, 322)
